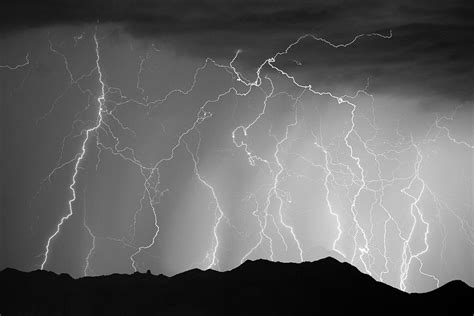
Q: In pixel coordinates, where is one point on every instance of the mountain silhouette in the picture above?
(323, 287)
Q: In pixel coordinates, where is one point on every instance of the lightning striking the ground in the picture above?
(352, 171)
(82, 153)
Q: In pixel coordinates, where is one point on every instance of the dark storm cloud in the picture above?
(255, 25)
(156, 18)
(420, 61)
(430, 51)
(147, 17)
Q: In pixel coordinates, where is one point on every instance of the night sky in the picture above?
(169, 135)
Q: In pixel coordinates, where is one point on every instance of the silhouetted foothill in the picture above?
(324, 287)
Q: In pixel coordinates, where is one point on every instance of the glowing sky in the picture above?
(181, 144)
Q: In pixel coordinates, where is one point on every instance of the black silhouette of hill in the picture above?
(323, 287)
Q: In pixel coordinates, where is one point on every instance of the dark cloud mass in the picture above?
(155, 17)
(432, 39)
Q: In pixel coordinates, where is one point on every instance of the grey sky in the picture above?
(321, 176)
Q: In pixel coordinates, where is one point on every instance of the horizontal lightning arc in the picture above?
(26, 63)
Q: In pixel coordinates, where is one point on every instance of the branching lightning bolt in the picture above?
(100, 100)
(15, 67)
(356, 181)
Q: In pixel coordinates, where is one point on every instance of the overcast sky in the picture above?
(229, 167)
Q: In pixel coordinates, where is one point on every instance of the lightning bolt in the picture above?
(354, 185)
(258, 81)
(100, 100)
(15, 67)
(407, 255)
(218, 210)
(87, 267)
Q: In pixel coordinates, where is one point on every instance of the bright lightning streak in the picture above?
(326, 185)
(258, 81)
(448, 132)
(361, 237)
(407, 255)
(201, 116)
(100, 99)
(93, 237)
(219, 214)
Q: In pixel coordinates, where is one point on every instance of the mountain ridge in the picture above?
(254, 287)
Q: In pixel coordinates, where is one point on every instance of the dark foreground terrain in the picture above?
(324, 287)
